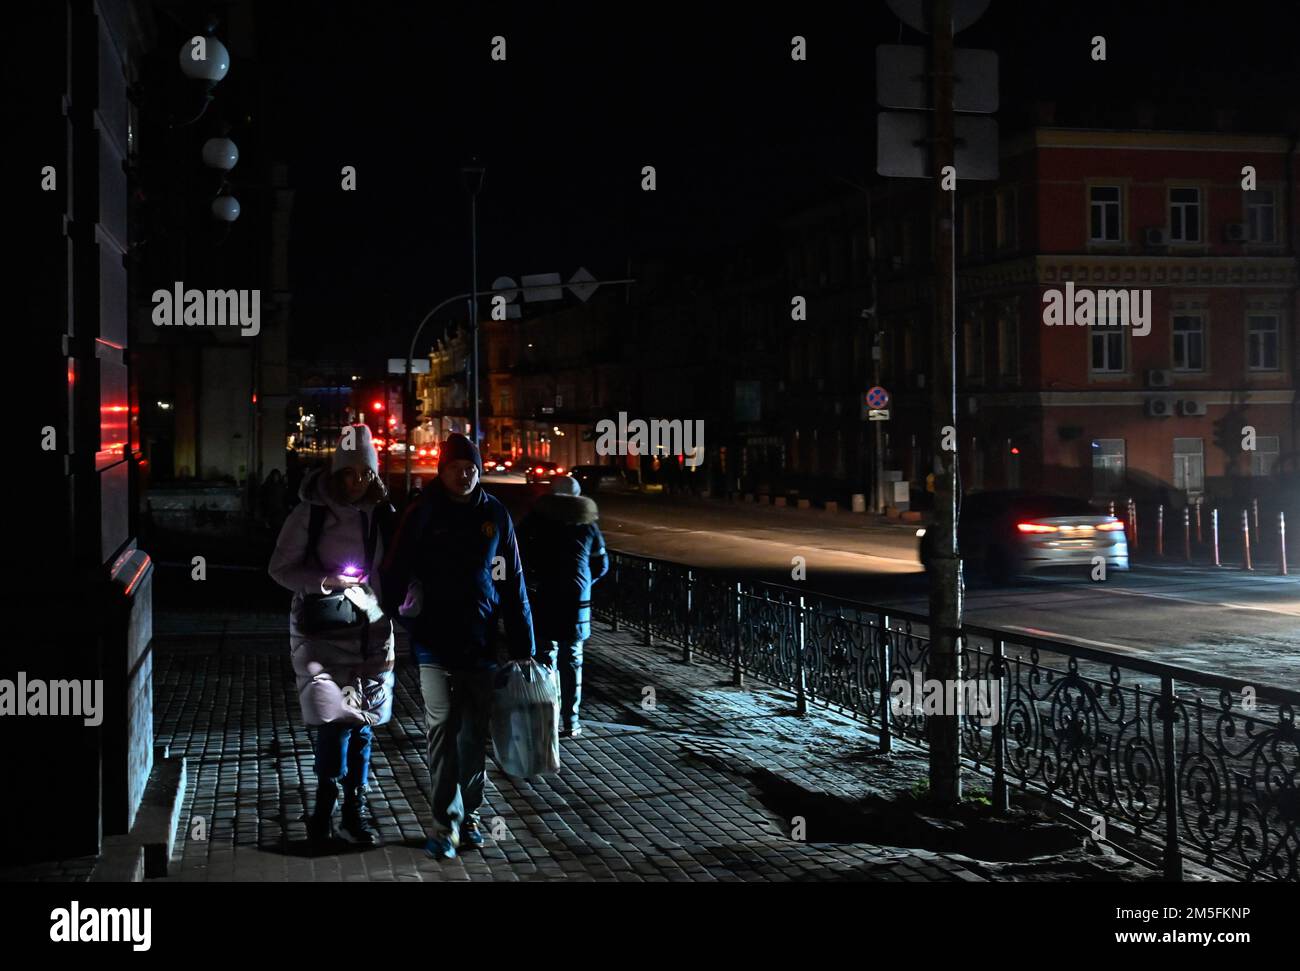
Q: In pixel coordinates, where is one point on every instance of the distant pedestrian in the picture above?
(272, 499)
(457, 543)
(564, 555)
(342, 644)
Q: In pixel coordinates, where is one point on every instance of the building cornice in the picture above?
(1098, 398)
(1269, 272)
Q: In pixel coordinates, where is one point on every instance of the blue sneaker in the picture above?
(441, 847)
(471, 834)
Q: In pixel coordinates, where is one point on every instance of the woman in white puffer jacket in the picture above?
(344, 674)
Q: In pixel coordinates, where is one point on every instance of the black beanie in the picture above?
(457, 446)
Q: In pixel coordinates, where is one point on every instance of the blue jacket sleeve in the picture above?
(599, 559)
(518, 613)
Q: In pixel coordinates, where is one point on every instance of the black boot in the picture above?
(320, 825)
(356, 818)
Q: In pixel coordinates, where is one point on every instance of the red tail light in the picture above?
(539, 470)
(1035, 528)
(559, 470)
(507, 463)
(1111, 527)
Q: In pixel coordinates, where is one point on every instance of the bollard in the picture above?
(1160, 529)
(1245, 537)
(800, 686)
(1111, 506)
(648, 640)
(1132, 526)
(1281, 543)
(1254, 505)
(1187, 534)
(614, 569)
(1214, 533)
(1199, 541)
(737, 671)
(690, 603)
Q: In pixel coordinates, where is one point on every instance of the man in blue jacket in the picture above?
(565, 554)
(459, 543)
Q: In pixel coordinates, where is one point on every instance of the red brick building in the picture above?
(1107, 410)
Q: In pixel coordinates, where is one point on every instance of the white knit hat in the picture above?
(361, 455)
(565, 485)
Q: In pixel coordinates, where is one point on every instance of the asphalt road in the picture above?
(1218, 621)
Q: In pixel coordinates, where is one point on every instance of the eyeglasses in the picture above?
(367, 477)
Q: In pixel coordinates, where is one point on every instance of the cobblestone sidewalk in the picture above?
(702, 786)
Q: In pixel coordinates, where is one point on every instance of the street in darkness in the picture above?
(576, 444)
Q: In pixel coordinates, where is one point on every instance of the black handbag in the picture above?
(327, 612)
(322, 612)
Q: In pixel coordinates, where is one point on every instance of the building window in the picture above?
(1006, 219)
(1104, 209)
(1107, 347)
(1264, 459)
(1262, 342)
(1261, 216)
(1189, 343)
(1185, 215)
(1008, 346)
(1107, 466)
(1189, 464)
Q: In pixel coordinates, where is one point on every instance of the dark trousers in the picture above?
(339, 746)
(566, 657)
(457, 708)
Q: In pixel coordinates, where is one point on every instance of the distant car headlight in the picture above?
(920, 532)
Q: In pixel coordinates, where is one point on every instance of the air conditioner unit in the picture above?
(1159, 408)
(1154, 236)
(1158, 379)
(1236, 232)
(1191, 407)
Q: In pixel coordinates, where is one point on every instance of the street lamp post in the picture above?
(473, 175)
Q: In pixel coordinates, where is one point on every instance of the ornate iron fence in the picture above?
(1191, 762)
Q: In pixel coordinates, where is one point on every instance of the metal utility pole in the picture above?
(474, 176)
(946, 580)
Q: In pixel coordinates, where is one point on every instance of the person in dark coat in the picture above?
(564, 554)
(456, 543)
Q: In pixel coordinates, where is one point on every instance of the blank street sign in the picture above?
(902, 149)
(902, 82)
(542, 286)
(397, 365)
(579, 285)
(916, 13)
(507, 288)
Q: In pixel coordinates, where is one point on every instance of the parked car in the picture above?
(1004, 534)
(600, 478)
(542, 470)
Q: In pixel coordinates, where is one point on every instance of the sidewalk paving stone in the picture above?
(666, 794)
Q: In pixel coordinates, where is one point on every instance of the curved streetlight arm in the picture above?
(410, 354)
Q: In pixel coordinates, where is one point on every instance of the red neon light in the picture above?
(136, 579)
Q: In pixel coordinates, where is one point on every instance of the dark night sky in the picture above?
(589, 93)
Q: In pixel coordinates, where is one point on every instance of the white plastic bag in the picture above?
(526, 720)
